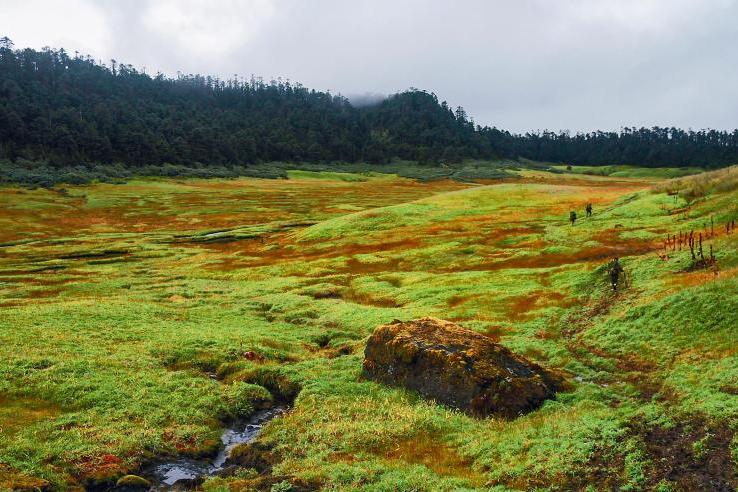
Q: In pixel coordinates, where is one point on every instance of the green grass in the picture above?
(336, 176)
(40, 173)
(622, 171)
(129, 311)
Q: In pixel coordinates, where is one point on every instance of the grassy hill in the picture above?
(138, 317)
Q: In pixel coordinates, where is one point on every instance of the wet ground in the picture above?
(182, 470)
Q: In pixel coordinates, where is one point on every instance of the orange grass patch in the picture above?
(520, 308)
(196, 204)
(437, 456)
(251, 253)
(18, 413)
(700, 277)
(608, 250)
(584, 181)
(12, 479)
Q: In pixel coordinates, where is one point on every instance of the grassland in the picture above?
(137, 317)
(633, 171)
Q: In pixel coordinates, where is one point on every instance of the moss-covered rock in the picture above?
(457, 367)
(132, 482)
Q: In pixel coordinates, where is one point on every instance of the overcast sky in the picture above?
(517, 64)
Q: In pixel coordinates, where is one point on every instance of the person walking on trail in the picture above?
(616, 271)
(572, 217)
(589, 210)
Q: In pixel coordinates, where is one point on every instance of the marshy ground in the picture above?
(137, 318)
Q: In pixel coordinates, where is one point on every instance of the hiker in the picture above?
(572, 217)
(616, 269)
(589, 210)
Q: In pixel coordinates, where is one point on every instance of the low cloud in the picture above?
(523, 65)
(366, 99)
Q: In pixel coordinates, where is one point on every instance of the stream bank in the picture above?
(188, 472)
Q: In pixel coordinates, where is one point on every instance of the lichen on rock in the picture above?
(457, 367)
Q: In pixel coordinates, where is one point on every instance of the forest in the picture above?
(59, 110)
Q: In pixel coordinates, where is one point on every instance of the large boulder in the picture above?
(457, 367)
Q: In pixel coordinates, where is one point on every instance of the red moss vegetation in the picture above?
(97, 469)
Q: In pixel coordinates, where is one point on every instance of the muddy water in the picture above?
(167, 474)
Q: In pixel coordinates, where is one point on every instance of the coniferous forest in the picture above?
(66, 110)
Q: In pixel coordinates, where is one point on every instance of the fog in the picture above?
(520, 65)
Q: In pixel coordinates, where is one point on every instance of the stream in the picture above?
(240, 432)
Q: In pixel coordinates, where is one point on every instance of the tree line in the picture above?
(67, 110)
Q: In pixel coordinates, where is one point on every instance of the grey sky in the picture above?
(517, 64)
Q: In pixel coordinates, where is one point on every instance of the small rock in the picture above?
(132, 482)
(457, 367)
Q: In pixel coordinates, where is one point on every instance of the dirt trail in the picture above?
(692, 454)
(642, 374)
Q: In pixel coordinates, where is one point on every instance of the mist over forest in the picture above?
(69, 110)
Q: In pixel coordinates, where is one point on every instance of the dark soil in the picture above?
(691, 455)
